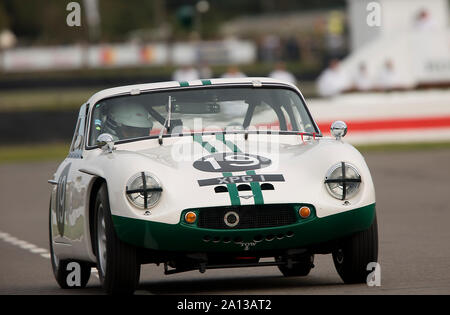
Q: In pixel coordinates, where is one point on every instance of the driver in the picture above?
(128, 121)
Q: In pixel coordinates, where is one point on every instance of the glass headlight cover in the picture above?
(143, 190)
(343, 181)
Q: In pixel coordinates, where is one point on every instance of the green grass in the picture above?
(33, 153)
(58, 151)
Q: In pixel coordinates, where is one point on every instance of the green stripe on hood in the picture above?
(256, 188)
(232, 189)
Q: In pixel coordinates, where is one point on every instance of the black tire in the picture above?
(301, 267)
(354, 254)
(59, 267)
(120, 272)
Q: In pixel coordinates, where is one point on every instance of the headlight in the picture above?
(143, 190)
(343, 181)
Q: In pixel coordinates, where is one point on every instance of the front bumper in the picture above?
(185, 238)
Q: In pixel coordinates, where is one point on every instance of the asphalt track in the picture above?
(413, 208)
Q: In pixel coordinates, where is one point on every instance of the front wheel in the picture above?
(354, 253)
(117, 264)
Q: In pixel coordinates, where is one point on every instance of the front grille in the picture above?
(250, 217)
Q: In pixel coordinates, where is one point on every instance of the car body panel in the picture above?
(184, 238)
(301, 162)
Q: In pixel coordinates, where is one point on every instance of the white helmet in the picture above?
(122, 117)
(131, 115)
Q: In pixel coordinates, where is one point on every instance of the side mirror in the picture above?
(106, 142)
(338, 129)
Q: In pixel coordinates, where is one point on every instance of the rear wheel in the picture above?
(354, 253)
(301, 266)
(117, 263)
(69, 274)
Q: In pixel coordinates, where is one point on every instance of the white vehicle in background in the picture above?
(199, 175)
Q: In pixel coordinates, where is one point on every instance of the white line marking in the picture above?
(31, 248)
(39, 251)
(28, 246)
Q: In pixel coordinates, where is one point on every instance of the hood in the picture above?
(218, 170)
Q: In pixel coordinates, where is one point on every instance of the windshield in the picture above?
(225, 109)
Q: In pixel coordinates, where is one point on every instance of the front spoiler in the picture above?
(182, 238)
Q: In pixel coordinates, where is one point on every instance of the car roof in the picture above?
(139, 88)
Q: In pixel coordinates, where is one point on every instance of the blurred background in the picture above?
(382, 66)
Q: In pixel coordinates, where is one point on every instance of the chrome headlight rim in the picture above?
(344, 181)
(143, 190)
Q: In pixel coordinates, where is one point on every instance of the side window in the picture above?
(78, 137)
(76, 143)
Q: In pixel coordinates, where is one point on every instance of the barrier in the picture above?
(410, 116)
(126, 55)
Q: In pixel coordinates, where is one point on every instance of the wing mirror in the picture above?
(338, 129)
(106, 142)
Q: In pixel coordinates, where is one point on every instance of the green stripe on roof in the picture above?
(184, 83)
(206, 82)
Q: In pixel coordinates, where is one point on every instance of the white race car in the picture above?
(208, 174)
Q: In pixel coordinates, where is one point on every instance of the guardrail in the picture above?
(127, 55)
(408, 116)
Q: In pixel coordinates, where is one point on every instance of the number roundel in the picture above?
(231, 162)
(60, 206)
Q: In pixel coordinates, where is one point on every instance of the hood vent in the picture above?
(243, 187)
(267, 186)
(220, 189)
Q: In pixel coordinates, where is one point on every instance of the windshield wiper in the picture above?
(166, 122)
